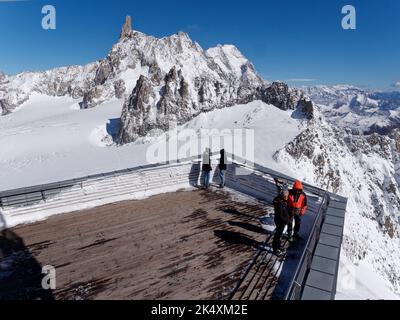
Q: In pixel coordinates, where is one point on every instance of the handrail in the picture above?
(303, 256)
(321, 211)
(72, 182)
(236, 160)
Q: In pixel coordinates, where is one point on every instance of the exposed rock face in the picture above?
(120, 88)
(184, 79)
(279, 95)
(181, 99)
(72, 81)
(363, 168)
(11, 100)
(306, 106)
(91, 98)
(5, 108)
(76, 92)
(103, 72)
(366, 111)
(136, 111)
(126, 28)
(396, 137)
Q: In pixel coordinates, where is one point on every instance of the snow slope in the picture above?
(361, 168)
(360, 282)
(364, 111)
(62, 124)
(49, 139)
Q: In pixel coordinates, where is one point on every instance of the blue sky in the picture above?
(285, 39)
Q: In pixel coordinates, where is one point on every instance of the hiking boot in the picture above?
(279, 252)
(296, 236)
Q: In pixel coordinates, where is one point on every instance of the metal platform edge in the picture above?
(321, 281)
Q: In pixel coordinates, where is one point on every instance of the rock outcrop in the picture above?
(280, 95)
(136, 111)
(365, 168)
(119, 88)
(366, 111)
(126, 28)
(184, 81)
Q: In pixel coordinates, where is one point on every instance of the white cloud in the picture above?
(397, 84)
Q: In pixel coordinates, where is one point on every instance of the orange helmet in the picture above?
(298, 185)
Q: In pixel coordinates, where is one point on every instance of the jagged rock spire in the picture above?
(126, 28)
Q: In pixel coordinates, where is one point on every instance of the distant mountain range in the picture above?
(365, 111)
(350, 142)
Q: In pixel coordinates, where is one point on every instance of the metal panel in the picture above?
(259, 182)
(336, 212)
(327, 251)
(320, 280)
(338, 205)
(310, 293)
(336, 221)
(332, 230)
(340, 213)
(327, 239)
(324, 265)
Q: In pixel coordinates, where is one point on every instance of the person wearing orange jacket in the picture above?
(297, 204)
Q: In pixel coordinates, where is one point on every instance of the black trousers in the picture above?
(297, 224)
(276, 243)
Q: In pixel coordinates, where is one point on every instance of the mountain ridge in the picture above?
(350, 142)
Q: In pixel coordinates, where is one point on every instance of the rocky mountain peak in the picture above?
(177, 81)
(280, 95)
(126, 28)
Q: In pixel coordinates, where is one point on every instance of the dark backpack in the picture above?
(281, 210)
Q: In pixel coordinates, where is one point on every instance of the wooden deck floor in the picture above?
(184, 245)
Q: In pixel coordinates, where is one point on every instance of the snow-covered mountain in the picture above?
(342, 138)
(161, 80)
(365, 111)
(352, 147)
(364, 168)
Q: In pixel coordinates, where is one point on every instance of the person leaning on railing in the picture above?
(297, 204)
(222, 168)
(206, 168)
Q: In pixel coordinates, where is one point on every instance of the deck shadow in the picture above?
(236, 238)
(250, 227)
(233, 211)
(20, 273)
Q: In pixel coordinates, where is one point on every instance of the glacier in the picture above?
(80, 120)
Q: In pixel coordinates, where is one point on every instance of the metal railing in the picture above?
(297, 282)
(300, 276)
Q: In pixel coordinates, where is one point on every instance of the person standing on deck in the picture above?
(222, 168)
(298, 206)
(282, 219)
(206, 168)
